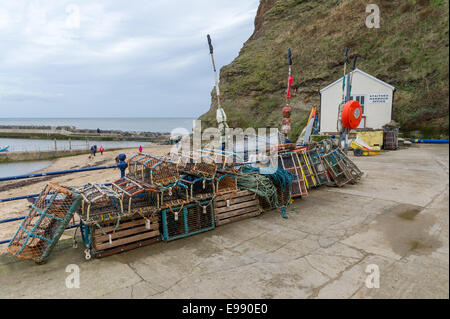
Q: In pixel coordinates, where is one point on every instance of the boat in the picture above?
(4, 148)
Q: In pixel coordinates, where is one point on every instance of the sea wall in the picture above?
(71, 132)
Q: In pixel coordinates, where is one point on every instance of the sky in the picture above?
(115, 58)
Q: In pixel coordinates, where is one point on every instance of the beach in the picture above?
(32, 186)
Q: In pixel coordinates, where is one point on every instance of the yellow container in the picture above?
(372, 138)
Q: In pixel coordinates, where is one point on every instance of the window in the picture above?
(361, 99)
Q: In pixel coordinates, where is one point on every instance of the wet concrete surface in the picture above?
(396, 218)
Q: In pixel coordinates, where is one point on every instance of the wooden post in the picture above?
(55, 144)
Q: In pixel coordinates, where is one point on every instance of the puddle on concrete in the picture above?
(407, 227)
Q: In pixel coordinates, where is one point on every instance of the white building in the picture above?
(375, 96)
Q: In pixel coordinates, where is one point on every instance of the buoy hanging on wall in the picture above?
(351, 114)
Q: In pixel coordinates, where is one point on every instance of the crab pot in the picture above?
(200, 166)
(307, 170)
(109, 238)
(336, 168)
(186, 163)
(265, 205)
(100, 203)
(291, 163)
(187, 220)
(46, 221)
(136, 198)
(235, 206)
(284, 195)
(390, 138)
(152, 170)
(173, 194)
(350, 167)
(225, 182)
(318, 167)
(198, 187)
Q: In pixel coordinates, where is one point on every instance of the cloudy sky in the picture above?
(115, 58)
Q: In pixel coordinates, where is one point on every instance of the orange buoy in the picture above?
(351, 114)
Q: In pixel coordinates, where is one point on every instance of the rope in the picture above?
(264, 185)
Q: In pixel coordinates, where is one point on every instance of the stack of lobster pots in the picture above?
(161, 199)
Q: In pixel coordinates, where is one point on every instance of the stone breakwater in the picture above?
(66, 132)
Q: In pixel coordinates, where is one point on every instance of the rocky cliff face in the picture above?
(410, 51)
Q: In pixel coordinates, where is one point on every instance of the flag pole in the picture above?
(221, 116)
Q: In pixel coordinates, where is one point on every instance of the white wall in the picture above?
(377, 114)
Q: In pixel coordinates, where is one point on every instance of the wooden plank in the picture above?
(221, 203)
(120, 249)
(124, 225)
(236, 206)
(238, 212)
(127, 240)
(123, 233)
(237, 218)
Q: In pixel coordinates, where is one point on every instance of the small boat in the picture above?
(4, 148)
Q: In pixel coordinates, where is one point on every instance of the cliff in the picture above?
(410, 51)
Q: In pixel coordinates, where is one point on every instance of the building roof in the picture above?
(364, 73)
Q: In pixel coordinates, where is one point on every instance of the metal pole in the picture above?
(68, 171)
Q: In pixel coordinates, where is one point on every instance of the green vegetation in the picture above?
(409, 51)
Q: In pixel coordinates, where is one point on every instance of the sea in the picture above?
(144, 124)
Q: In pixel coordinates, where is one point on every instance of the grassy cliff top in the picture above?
(410, 51)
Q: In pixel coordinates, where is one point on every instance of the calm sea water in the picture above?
(10, 169)
(144, 124)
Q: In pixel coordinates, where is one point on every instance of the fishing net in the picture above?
(45, 223)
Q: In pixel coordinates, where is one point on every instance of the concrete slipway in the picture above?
(396, 218)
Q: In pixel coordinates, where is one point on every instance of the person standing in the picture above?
(140, 148)
(101, 150)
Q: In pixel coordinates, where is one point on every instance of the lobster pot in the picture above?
(283, 195)
(136, 198)
(390, 138)
(100, 203)
(46, 221)
(130, 232)
(186, 220)
(265, 204)
(351, 167)
(152, 170)
(225, 182)
(198, 187)
(318, 167)
(173, 194)
(186, 163)
(307, 171)
(235, 206)
(336, 168)
(291, 163)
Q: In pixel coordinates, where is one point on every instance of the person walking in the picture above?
(95, 149)
(92, 152)
(140, 148)
(101, 150)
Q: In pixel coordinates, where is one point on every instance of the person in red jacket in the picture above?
(101, 150)
(140, 148)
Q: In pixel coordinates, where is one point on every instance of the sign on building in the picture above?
(378, 98)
